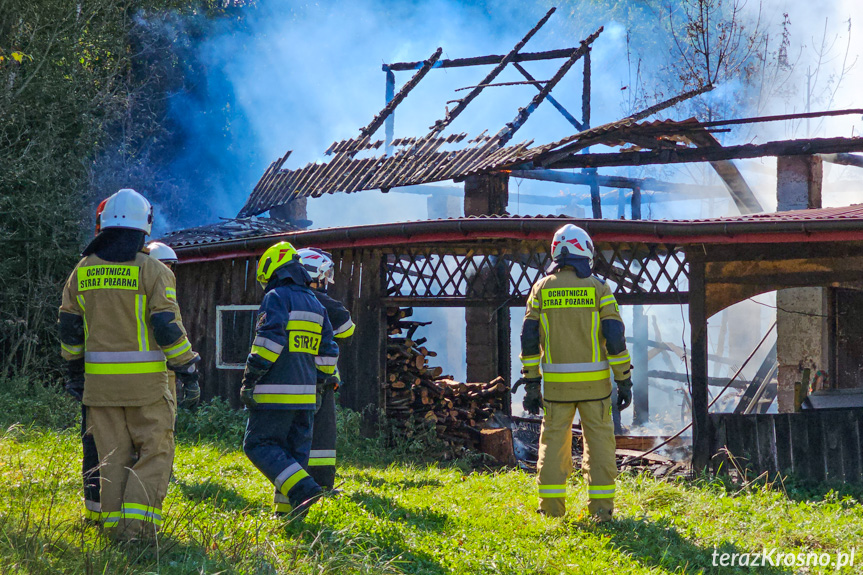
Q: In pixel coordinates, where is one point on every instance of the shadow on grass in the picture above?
(383, 544)
(71, 547)
(659, 544)
(215, 494)
(403, 483)
(388, 509)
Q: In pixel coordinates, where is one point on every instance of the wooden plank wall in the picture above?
(203, 286)
(200, 288)
(822, 445)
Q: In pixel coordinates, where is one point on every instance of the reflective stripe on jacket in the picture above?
(339, 316)
(563, 337)
(123, 321)
(294, 344)
(343, 326)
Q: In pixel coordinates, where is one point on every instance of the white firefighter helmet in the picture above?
(573, 241)
(127, 209)
(162, 252)
(319, 264)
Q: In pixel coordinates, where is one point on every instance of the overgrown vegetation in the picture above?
(84, 110)
(400, 512)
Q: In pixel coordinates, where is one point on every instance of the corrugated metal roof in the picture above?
(828, 224)
(418, 161)
(239, 228)
(853, 212)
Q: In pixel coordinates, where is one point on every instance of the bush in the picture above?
(215, 421)
(33, 403)
(416, 442)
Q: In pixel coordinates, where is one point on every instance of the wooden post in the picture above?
(390, 122)
(698, 332)
(487, 334)
(363, 356)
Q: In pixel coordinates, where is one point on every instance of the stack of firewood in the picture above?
(417, 393)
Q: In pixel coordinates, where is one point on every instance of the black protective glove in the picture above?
(247, 396)
(189, 376)
(624, 393)
(324, 383)
(533, 397)
(75, 379)
(250, 379)
(191, 389)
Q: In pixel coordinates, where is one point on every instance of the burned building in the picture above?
(487, 261)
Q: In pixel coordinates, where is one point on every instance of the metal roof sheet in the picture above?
(821, 225)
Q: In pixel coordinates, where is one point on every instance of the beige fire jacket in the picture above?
(572, 351)
(130, 329)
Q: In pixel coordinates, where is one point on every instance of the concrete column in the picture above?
(487, 331)
(640, 394)
(801, 322)
(798, 182)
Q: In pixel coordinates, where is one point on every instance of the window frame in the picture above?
(219, 309)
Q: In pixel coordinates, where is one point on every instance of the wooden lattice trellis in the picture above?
(483, 273)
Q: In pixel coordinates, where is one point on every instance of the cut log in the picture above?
(498, 444)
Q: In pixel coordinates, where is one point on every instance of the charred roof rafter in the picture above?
(419, 160)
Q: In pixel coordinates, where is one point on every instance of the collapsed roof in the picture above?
(411, 161)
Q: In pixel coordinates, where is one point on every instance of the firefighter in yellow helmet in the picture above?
(573, 335)
(120, 331)
(293, 351)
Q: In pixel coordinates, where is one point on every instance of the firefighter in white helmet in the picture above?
(322, 459)
(191, 391)
(574, 337)
(120, 331)
(164, 253)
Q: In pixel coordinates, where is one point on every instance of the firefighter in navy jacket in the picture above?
(293, 350)
(322, 460)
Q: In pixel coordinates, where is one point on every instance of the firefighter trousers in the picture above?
(322, 458)
(136, 445)
(90, 470)
(598, 462)
(278, 442)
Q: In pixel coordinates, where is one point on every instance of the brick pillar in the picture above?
(293, 212)
(487, 331)
(800, 326)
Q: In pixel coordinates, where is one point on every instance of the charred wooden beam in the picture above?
(463, 103)
(740, 191)
(844, 159)
(777, 148)
(557, 105)
(499, 84)
(378, 120)
(671, 102)
(483, 60)
(508, 131)
(607, 132)
(711, 381)
(763, 119)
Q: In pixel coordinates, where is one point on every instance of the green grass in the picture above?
(398, 514)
